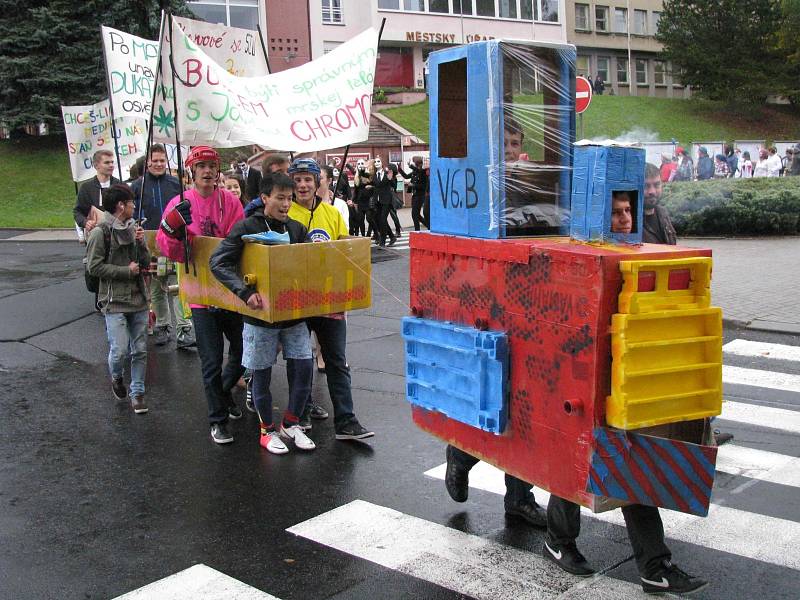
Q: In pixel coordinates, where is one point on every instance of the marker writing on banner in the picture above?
(327, 124)
(137, 49)
(451, 185)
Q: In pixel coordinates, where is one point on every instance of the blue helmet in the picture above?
(304, 165)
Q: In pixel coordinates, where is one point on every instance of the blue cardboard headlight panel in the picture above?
(459, 371)
(475, 95)
(598, 172)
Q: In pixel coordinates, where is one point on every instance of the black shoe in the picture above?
(219, 433)
(352, 430)
(569, 559)
(315, 411)
(722, 438)
(161, 335)
(393, 241)
(456, 478)
(119, 389)
(670, 579)
(305, 420)
(234, 412)
(528, 511)
(138, 405)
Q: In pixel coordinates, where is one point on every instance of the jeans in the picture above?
(210, 325)
(160, 300)
(517, 491)
(645, 531)
(127, 336)
(332, 337)
(299, 373)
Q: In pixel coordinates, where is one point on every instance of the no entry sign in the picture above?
(583, 94)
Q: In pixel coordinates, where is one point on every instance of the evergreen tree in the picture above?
(51, 52)
(726, 49)
(789, 49)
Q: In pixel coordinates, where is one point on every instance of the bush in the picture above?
(763, 206)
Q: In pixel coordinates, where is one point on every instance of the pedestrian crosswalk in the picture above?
(480, 567)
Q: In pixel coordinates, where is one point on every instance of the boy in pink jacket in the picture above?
(208, 210)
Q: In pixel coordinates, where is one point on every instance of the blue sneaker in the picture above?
(270, 238)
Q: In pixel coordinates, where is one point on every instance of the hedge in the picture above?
(762, 206)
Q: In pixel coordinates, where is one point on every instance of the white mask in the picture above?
(336, 173)
(360, 164)
(378, 164)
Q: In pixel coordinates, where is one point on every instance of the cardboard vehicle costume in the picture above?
(586, 365)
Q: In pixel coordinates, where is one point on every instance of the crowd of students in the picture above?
(733, 162)
(294, 202)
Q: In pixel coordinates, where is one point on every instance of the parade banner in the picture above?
(131, 64)
(323, 104)
(88, 129)
(238, 51)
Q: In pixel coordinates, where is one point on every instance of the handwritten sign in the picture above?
(88, 129)
(131, 63)
(322, 104)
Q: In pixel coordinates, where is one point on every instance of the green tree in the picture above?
(788, 48)
(51, 52)
(725, 49)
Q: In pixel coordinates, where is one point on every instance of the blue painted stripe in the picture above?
(642, 496)
(664, 494)
(687, 467)
(680, 487)
(612, 486)
(698, 453)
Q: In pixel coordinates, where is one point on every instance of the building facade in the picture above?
(616, 40)
(296, 31)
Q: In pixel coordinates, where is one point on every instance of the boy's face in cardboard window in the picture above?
(512, 145)
(621, 217)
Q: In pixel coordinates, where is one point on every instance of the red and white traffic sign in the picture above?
(583, 94)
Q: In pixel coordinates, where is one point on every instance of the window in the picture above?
(415, 5)
(582, 66)
(602, 68)
(527, 8)
(656, 17)
(582, 17)
(439, 6)
(329, 46)
(462, 7)
(508, 9)
(622, 70)
(452, 109)
(485, 8)
(659, 72)
(331, 11)
(550, 11)
(640, 22)
(233, 13)
(601, 18)
(620, 20)
(389, 4)
(641, 71)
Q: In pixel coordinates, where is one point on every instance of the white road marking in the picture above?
(759, 464)
(731, 530)
(758, 378)
(762, 349)
(761, 416)
(464, 563)
(199, 582)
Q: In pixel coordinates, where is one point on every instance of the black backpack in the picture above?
(92, 282)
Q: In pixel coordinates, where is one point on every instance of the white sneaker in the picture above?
(301, 440)
(273, 443)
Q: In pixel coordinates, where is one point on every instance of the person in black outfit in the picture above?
(362, 192)
(519, 501)
(419, 189)
(251, 176)
(384, 195)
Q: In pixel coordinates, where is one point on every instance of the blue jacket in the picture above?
(158, 191)
(705, 168)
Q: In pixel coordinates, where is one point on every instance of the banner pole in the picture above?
(111, 106)
(150, 123)
(178, 140)
(264, 48)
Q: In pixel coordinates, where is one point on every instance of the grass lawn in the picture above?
(685, 120)
(38, 189)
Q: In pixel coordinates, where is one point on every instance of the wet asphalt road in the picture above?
(96, 501)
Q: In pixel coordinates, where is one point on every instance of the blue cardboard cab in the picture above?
(600, 171)
(502, 126)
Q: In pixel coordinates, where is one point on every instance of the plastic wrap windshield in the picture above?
(532, 172)
(502, 127)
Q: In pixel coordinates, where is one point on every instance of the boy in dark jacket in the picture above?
(117, 255)
(260, 338)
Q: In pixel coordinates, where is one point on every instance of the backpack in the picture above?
(92, 282)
